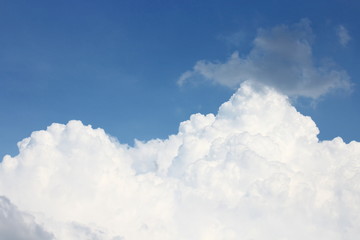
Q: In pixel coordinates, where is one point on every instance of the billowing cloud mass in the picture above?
(343, 35)
(281, 57)
(255, 170)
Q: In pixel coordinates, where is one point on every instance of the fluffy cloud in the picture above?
(281, 57)
(343, 35)
(255, 170)
(16, 225)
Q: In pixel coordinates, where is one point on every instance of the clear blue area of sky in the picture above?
(114, 64)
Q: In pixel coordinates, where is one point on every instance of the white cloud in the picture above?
(343, 35)
(282, 58)
(16, 225)
(256, 170)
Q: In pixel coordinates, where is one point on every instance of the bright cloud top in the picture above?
(281, 57)
(256, 170)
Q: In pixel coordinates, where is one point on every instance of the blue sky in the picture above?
(115, 64)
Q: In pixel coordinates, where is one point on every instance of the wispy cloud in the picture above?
(234, 39)
(281, 57)
(343, 35)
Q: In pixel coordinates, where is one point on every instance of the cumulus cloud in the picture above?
(17, 225)
(282, 58)
(255, 170)
(343, 35)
